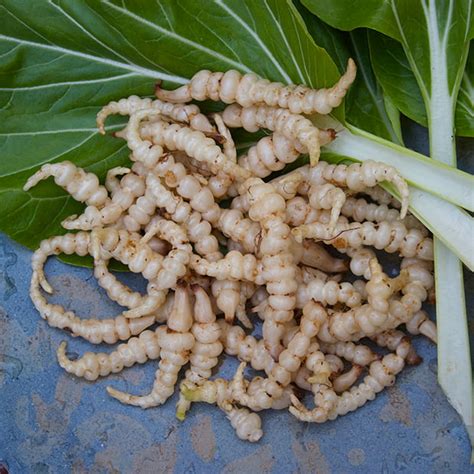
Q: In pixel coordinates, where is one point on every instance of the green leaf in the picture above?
(394, 117)
(428, 31)
(365, 107)
(351, 14)
(394, 73)
(464, 118)
(88, 262)
(335, 42)
(59, 65)
(364, 104)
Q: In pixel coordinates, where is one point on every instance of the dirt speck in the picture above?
(339, 243)
(260, 461)
(398, 408)
(203, 438)
(310, 458)
(356, 456)
(157, 458)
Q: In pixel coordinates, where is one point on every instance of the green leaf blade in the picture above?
(394, 73)
(364, 103)
(54, 80)
(350, 14)
(464, 115)
(402, 61)
(365, 107)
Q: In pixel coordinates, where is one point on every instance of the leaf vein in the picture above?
(70, 83)
(285, 40)
(110, 62)
(177, 37)
(257, 38)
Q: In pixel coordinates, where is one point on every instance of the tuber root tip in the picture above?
(114, 393)
(122, 397)
(351, 69)
(46, 286)
(181, 409)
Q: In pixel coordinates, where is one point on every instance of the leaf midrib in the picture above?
(69, 83)
(177, 37)
(257, 38)
(110, 62)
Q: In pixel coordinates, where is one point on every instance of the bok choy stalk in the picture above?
(434, 36)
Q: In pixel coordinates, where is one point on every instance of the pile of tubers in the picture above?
(219, 238)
